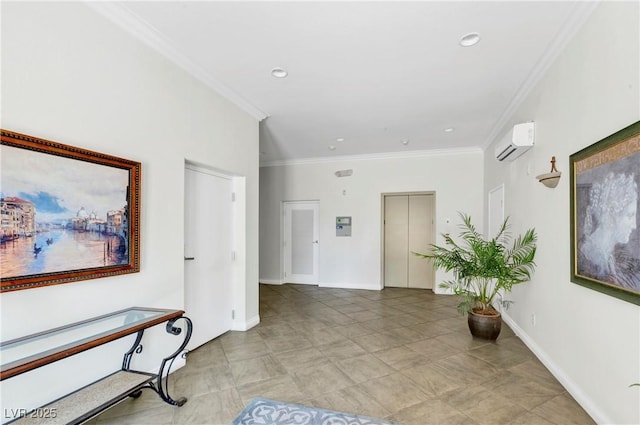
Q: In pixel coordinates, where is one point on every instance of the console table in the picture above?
(30, 352)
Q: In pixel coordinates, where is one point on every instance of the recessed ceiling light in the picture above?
(405, 141)
(339, 139)
(448, 130)
(332, 148)
(470, 39)
(279, 72)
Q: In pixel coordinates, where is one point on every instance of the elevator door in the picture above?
(408, 228)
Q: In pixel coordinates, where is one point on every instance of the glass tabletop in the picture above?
(76, 336)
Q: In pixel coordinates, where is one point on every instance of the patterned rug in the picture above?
(262, 411)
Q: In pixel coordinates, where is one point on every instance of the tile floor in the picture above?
(400, 354)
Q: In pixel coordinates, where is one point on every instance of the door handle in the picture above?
(315, 241)
(189, 258)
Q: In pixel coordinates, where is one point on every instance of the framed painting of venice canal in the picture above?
(605, 215)
(68, 214)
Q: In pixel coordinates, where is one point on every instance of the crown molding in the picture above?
(581, 12)
(119, 14)
(373, 156)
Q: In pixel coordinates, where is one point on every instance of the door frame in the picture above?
(315, 280)
(239, 321)
(382, 227)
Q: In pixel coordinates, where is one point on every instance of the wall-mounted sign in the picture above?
(343, 226)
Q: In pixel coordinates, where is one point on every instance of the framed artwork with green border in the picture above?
(605, 215)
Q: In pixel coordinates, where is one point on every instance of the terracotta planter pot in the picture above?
(485, 326)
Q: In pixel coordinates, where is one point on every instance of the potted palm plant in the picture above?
(484, 271)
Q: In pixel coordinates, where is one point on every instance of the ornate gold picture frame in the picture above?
(68, 214)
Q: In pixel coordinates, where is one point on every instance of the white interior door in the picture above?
(208, 254)
(408, 228)
(301, 243)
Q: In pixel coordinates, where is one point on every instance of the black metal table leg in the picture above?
(135, 348)
(162, 384)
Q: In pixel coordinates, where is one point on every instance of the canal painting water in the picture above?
(60, 250)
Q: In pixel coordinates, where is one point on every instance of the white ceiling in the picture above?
(373, 73)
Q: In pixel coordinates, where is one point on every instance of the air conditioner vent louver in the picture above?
(505, 153)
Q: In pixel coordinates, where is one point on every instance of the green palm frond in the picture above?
(483, 268)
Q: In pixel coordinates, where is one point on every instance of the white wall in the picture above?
(590, 340)
(71, 76)
(355, 262)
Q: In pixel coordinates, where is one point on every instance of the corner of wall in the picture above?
(245, 325)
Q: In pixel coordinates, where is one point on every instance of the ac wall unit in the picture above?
(517, 141)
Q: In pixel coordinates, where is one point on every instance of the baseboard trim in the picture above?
(245, 325)
(350, 286)
(576, 392)
(271, 281)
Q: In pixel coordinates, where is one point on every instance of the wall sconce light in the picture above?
(551, 178)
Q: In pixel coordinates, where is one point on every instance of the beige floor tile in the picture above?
(195, 382)
(363, 368)
(529, 418)
(461, 342)
(431, 380)
(256, 369)
(394, 392)
(430, 329)
(379, 341)
(207, 355)
(321, 379)
(348, 309)
(324, 336)
(419, 308)
(271, 331)
(282, 343)
(304, 326)
(465, 368)
(351, 331)
(524, 392)
(454, 323)
(234, 339)
(484, 405)
(337, 301)
(383, 323)
(281, 387)
(536, 372)
(246, 351)
(432, 412)
(563, 409)
(501, 355)
(362, 402)
(341, 350)
(401, 357)
(431, 349)
(364, 315)
(306, 358)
